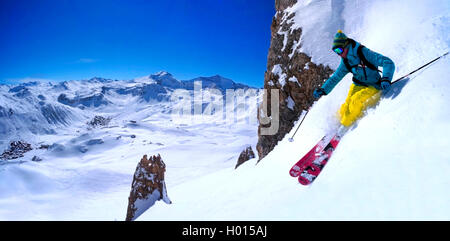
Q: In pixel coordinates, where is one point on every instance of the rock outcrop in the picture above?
(245, 155)
(99, 121)
(16, 150)
(148, 186)
(290, 71)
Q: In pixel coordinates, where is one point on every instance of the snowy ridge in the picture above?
(394, 165)
(318, 20)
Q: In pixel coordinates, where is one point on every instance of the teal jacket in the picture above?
(373, 76)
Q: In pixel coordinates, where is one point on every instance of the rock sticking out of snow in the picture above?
(36, 159)
(99, 121)
(148, 186)
(245, 155)
(16, 150)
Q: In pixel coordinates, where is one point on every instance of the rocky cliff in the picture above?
(291, 72)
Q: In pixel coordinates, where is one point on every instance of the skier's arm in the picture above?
(337, 76)
(380, 61)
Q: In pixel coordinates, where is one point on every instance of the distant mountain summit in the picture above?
(166, 79)
(99, 80)
(217, 82)
(162, 74)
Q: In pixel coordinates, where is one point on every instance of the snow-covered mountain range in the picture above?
(87, 137)
(36, 108)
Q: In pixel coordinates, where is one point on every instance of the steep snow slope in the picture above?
(393, 165)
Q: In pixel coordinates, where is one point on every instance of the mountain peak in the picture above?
(215, 81)
(162, 73)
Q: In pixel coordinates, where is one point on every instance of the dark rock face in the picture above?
(99, 121)
(245, 155)
(280, 5)
(16, 150)
(148, 186)
(290, 71)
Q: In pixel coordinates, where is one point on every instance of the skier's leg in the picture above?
(359, 101)
(345, 112)
(373, 96)
(366, 97)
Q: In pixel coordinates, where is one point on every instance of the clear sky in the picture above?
(123, 39)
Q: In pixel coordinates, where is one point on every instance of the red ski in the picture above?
(314, 165)
(309, 157)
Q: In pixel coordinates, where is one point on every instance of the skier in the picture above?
(367, 82)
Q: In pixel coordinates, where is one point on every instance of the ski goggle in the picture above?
(338, 50)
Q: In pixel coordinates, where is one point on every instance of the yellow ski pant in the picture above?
(359, 98)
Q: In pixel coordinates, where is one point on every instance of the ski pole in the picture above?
(291, 139)
(423, 66)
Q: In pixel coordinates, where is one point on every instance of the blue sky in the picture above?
(123, 39)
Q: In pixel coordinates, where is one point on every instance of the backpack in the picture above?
(364, 63)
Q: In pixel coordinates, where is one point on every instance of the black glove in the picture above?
(385, 84)
(318, 93)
